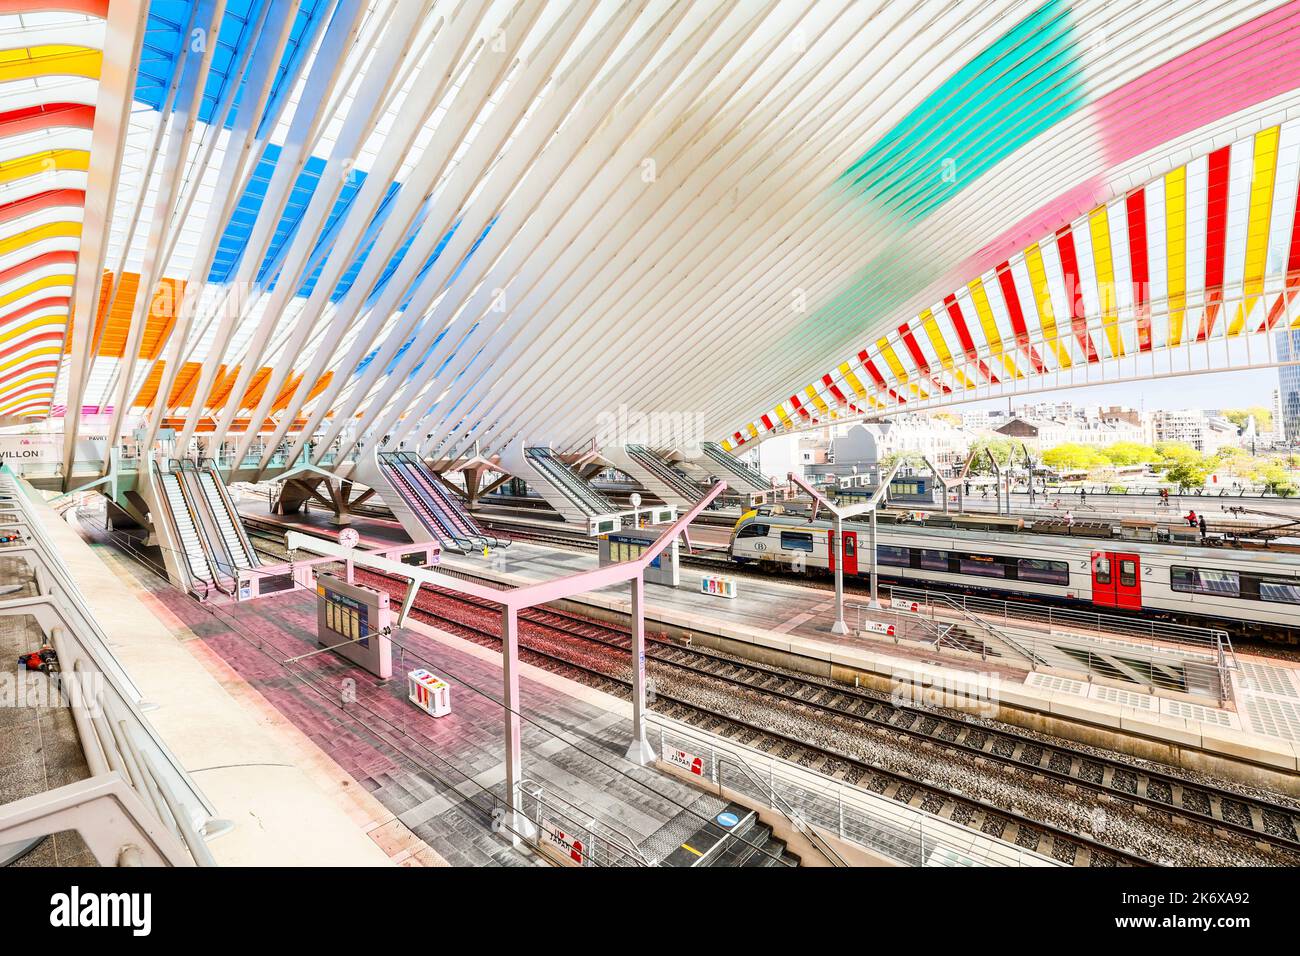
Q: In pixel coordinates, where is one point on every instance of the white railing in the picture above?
(851, 814)
(162, 813)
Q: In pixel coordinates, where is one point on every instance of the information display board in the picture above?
(625, 545)
(353, 621)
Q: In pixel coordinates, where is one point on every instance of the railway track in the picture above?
(1180, 801)
(446, 610)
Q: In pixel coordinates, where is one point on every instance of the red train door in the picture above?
(1103, 579)
(1116, 579)
(1128, 580)
(850, 551)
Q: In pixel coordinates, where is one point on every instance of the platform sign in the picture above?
(568, 845)
(879, 627)
(685, 761)
(910, 607)
(351, 620)
(628, 544)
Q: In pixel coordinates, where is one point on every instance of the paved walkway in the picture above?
(442, 778)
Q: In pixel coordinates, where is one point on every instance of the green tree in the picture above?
(1003, 450)
(1130, 453)
(1072, 457)
(1277, 481)
(1186, 474)
(1239, 416)
(1171, 452)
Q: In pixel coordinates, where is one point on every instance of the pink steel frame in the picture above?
(531, 595)
(839, 515)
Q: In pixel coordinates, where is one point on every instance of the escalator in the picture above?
(225, 518)
(422, 505)
(748, 478)
(451, 511)
(581, 494)
(219, 559)
(684, 486)
(182, 517)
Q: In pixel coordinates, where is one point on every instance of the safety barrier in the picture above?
(138, 805)
(848, 813)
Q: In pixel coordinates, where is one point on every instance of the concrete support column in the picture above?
(639, 751)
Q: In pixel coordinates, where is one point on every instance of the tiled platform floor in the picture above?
(440, 777)
(39, 748)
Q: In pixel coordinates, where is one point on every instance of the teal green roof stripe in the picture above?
(1024, 83)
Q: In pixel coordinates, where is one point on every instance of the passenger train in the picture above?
(1249, 590)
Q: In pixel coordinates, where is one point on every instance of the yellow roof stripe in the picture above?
(53, 230)
(855, 383)
(990, 326)
(26, 63)
(1176, 249)
(46, 161)
(817, 401)
(1043, 304)
(36, 285)
(936, 338)
(25, 399)
(28, 356)
(1257, 224)
(1099, 229)
(33, 324)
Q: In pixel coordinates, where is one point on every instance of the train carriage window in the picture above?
(1043, 571)
(753, 531)
(1287, 592)
(797, 541)
(1128, 576)
(984, 565)
(934, 560)
(1101, 570)
(897, 557)
(1201, 581)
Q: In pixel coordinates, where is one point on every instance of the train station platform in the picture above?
(1256, 733)
(426, 789)
(281, 809)
(786, 623)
